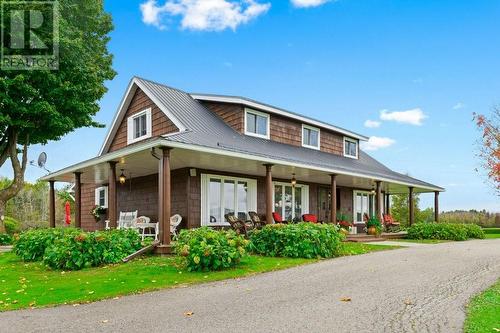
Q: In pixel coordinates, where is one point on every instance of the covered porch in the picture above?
(161, 178)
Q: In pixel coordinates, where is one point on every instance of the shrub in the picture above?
(90, 249)
(473, 231)
(302, 240)
(375, 223)
(491, 231)
(12, 226)
(31, 244)
(435, 230)
(5, 239)
(205, 249)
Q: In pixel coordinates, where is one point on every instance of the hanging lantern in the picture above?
(373, 190)
(294, 181)
(122, 178)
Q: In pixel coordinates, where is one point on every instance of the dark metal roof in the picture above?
(204, 128)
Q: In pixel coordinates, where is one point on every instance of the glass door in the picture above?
(291, 202)
(363, 206)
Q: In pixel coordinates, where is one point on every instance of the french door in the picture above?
(291, 202)
(363, 204)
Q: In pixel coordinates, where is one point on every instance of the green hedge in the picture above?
(302, 240)
(70, 248)
(491, 231)
(445, 231)
(5, 239)
(205, 249)
(12, 226)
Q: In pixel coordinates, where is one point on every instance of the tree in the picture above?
(37, 106)
(489, 150)
(399, 207)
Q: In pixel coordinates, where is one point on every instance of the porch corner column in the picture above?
(378, 198)
(164, 196)
(52, 205)
(78, 200)
(410, 206)
(436, 206)
(112, 202)
(269, 194)
(333, 198)
(387, 203)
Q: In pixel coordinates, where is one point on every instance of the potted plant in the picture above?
(373, 226)
(99, 213)
(343, 223)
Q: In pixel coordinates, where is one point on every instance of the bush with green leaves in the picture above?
(374, 222)
(302, 240)
(205, 249)
(445, 231)
(31, 244)
(91, 249)
(5, 239)
(473, 230)
(12, 226)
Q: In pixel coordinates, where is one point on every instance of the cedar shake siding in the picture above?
(88, 202)
(160, 123)
(282, 129)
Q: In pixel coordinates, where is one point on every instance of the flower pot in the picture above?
(344, 231)
(372, 231)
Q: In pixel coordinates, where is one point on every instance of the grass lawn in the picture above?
(24, 285)
(483, 312)
(488, 236)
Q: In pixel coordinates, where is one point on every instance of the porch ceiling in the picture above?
(142, 163)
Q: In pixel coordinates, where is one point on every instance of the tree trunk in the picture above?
(2, 216)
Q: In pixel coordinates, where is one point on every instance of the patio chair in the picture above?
(175, 221)
(257, 222)
(389, 223)
(310, 218)
(277, 218)
(124, 220)
(237, 225)
(145, 228)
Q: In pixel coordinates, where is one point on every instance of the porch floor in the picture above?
(358, 238)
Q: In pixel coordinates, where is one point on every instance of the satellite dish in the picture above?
(42, 159)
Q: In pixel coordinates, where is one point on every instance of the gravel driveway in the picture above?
(417, 289)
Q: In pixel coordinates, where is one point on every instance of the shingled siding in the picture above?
(332, 143)
(88, 202)
(160, 122)
(231, 114)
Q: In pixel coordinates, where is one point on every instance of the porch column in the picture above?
(164, 198)
(78, 200)
(410, 206)
(52, 205)
(112, 206)
(378, 200)
(269, 194)
(436, 206)
(333, 198)
(387, 203)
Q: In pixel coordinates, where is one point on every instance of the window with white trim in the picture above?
(350, 148)
(221, 195)
(101, 196)
(291, 202)
(139, 126)
(310, 136)
(256, 123)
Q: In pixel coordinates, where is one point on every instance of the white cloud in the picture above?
(308, 3)
(372, 123)
(412, 117)
(458, 106)
(210, 15)
(376, 143)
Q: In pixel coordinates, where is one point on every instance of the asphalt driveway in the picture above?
(416, 289)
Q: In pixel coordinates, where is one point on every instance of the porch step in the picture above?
(364, 239)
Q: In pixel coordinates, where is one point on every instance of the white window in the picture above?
(221, 195)
(363, 206)
(291, 202)
(101, 196)
(350, 148)
(256, 123)
(139, 126)
(310, 137)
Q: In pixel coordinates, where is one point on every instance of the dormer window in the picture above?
(310, 137)
(350, 148)
(256, 123)
(139, 126)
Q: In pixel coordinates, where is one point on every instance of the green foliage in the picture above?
(91, 249)
(399, 208)
(374, 222)
(482, 218)
(449, 231)
(5, 239)
(302, 240)
(491, 231)
(31, 244)
(205, 249)
(12, 226)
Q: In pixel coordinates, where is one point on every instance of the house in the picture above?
(202, 156)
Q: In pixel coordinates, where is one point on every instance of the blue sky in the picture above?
(343, 62)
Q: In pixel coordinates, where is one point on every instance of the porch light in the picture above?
(373, 190)
(122, 178)
(294, 181)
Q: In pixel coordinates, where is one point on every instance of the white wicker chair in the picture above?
(125, 220)
(175, 221)
(146, 228)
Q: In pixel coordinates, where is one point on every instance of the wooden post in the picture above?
(387, 203)
(378, 200)
(269, 194)
(333, 198)
(436, 206)
(78, 200)
(112, 202)
(164, 198)
(52, 205)
(411, 216)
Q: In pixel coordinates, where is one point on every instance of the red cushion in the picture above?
(310, 218)
(277, 218)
